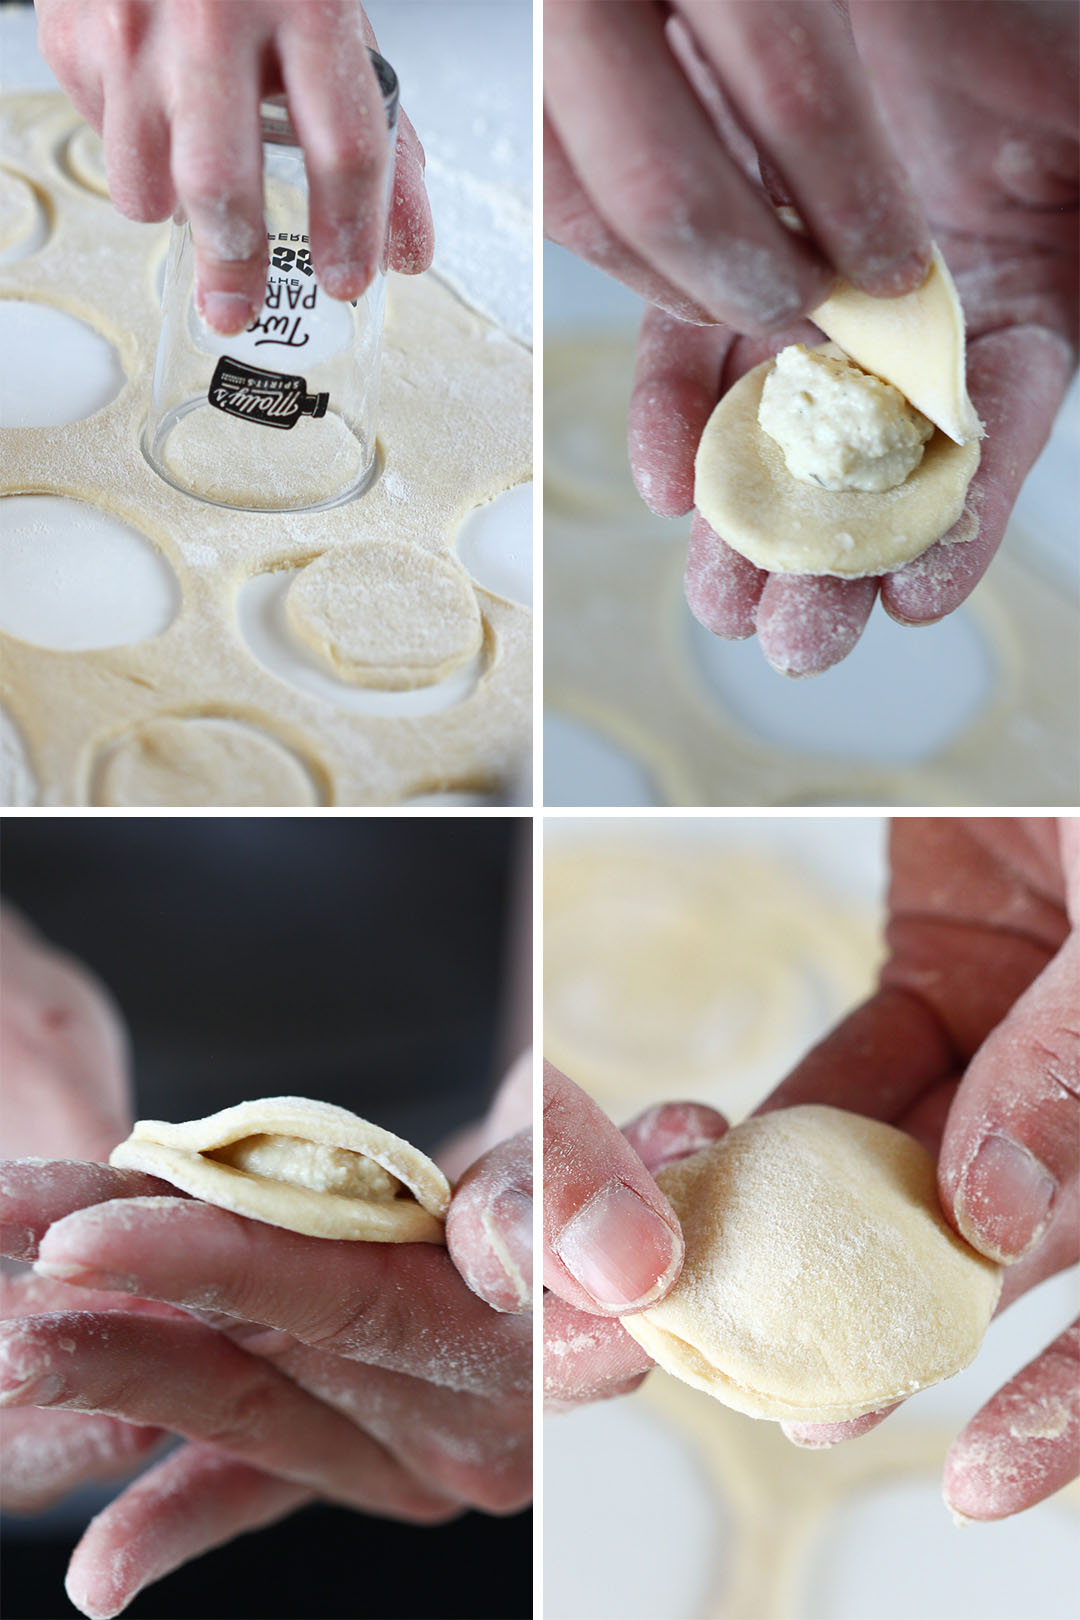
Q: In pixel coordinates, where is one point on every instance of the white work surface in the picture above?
(657, 1503)
(895, 706)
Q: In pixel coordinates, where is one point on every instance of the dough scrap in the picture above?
(386, 615)
(744, 490)
(821, 1280)
(915, 342)
(306, 1166)
(195, 761)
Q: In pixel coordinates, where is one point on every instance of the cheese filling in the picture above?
(311, 1164)
(838, 426)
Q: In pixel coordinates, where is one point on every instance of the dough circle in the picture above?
(193, 761)
(744, 491)
(386, 615)
(821, 1280)
(298, 1152)
(258, 468)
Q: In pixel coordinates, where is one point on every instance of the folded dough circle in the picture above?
(386, 614)
(308, 1166)
(821, 1279)
(743, 488)
(180, 760)
(916, 342)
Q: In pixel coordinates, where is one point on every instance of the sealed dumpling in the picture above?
(308, 1166)
(821, 1279)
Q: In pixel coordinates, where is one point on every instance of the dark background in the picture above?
(357, 960)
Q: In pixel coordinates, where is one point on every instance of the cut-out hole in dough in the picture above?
(24, 223)
(905, 697)
(495, 544)
(83, 157)
(863, 1562)
(582, 766)
(200, 760)
(74, 577)
(597, 1515)
(58, 368)
(260, 610)
(385, 615)
(18, 786)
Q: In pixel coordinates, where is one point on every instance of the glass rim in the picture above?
(277, 126)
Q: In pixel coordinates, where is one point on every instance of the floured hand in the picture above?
(63, 1051)
(970, 1046)
(998, 177)
(649, 114)
(324, 1369)
(174, 91)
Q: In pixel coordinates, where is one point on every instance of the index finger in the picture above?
(637, 135)
(217, 167)
(397, 1305)
(36, 1192)
(794, 75)
(337, 108)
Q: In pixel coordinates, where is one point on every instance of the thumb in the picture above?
(1012, 1142)
(612, 1243)
(489, 1225)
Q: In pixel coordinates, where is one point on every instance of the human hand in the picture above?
(63, 1051)
(612, 1242)
(366, 1374)
(173, 87)
(983, 110)
(971, 1045)
(646, 172)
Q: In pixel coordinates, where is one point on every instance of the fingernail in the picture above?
(18, 1242)
(619, 1250)
(109, 1282)
(1004, 1199)
(900, 276)
(508, 1228)
(228, 313)
(346, 281)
